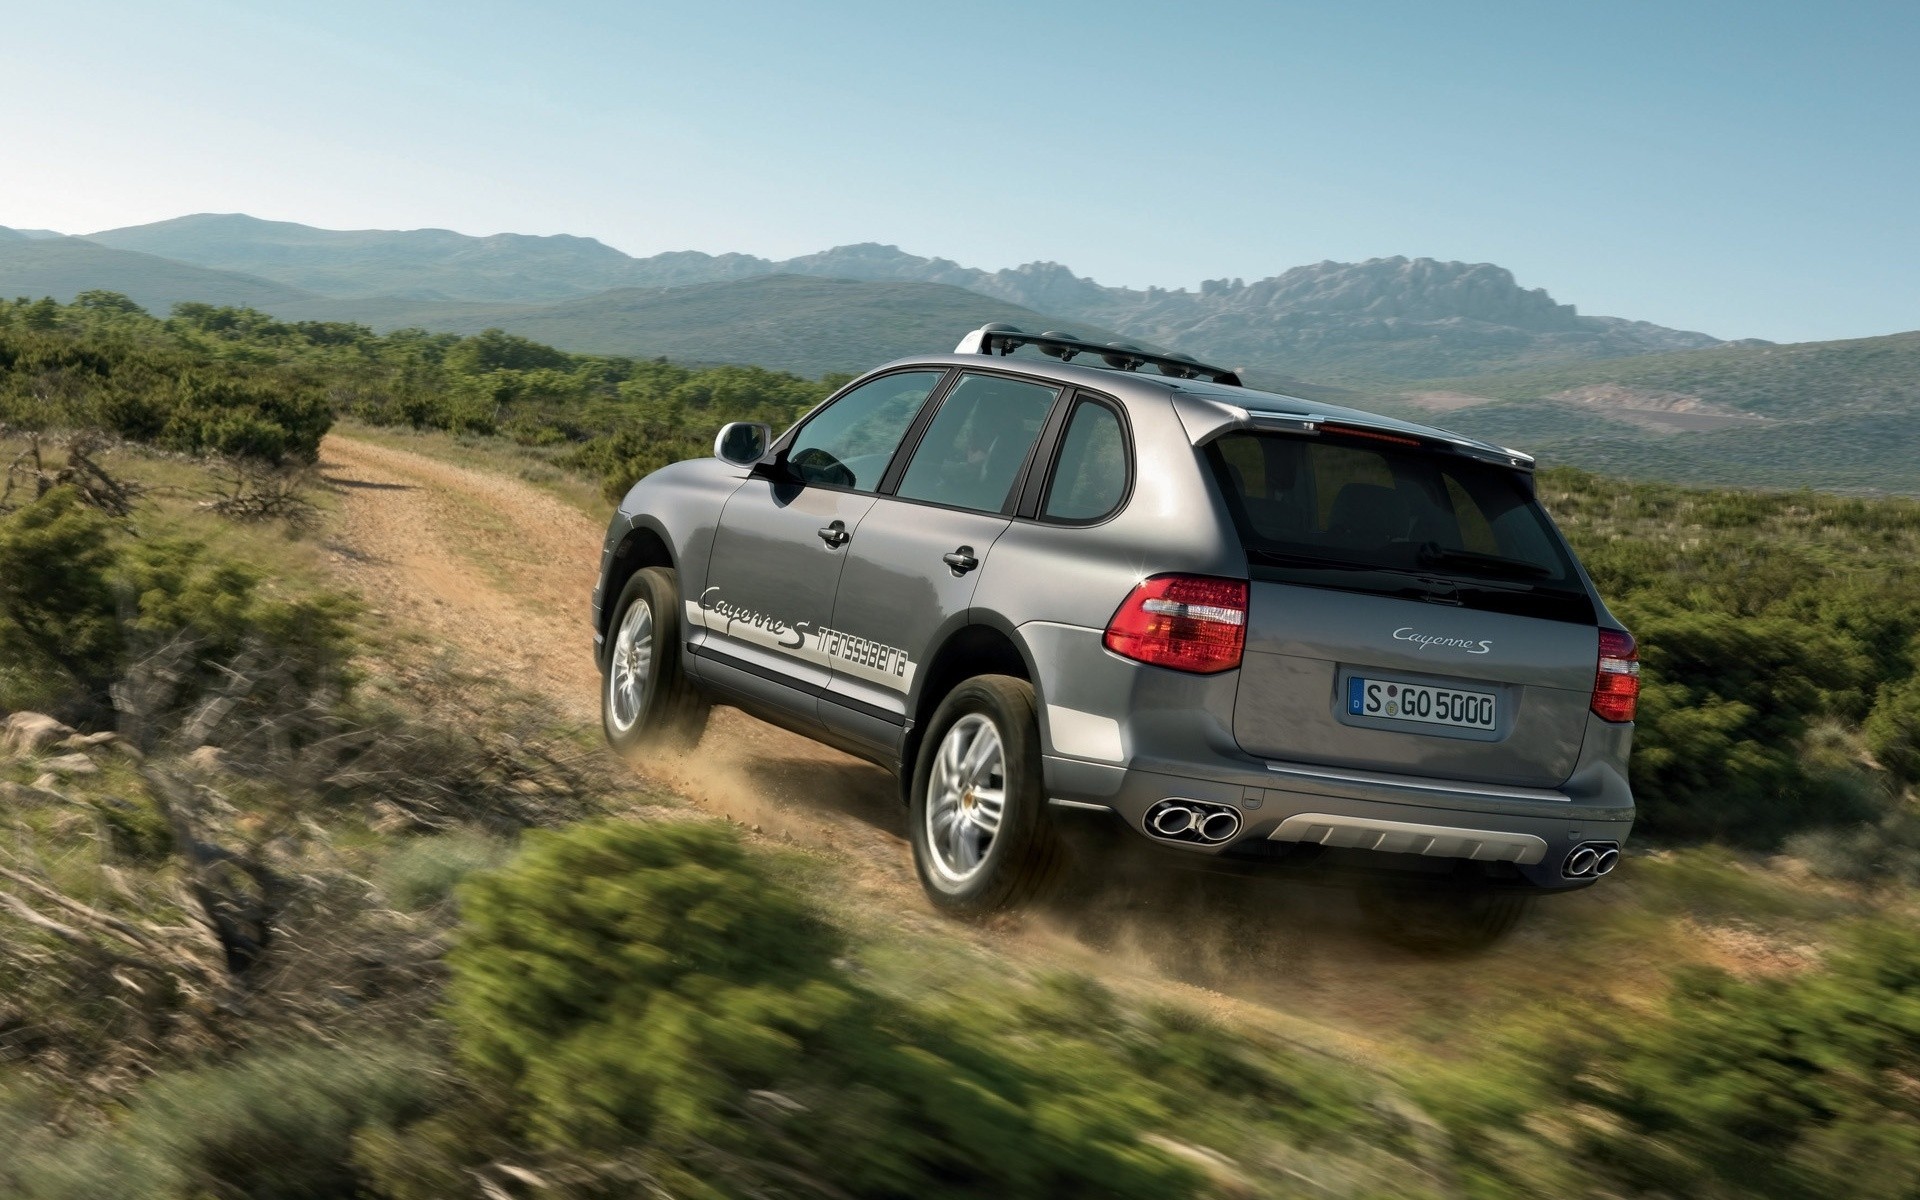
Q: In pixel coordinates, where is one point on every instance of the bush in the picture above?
(278, 1125)
(649, 987)
(424, 871)
(57, 607)
(79, 601)
(102, 364)
(1893, 729)
(1724, 707)
(1794, 1088)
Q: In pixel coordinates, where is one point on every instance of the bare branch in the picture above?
(66, 933)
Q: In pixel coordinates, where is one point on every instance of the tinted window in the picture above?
(850, 442)
(1399, 521)
(1090, 478)
(977, 443)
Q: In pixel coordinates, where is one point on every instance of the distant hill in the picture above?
(418, 264)
(1815, 414)
(14, 235)
(62, 267)
(1380, 320)
(786, 322)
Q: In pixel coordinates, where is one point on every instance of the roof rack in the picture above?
(1004, 339)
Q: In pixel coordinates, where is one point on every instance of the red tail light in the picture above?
(1616, 685)
(1187, 622)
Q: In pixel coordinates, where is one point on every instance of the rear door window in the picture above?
(1402, 521)
(977, 444)
(849, 443)
(1090, 477)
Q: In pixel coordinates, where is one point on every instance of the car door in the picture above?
(781, 543)
(915, 558)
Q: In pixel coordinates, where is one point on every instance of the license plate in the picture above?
(1421, 703)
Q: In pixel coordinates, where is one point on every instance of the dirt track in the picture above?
(504, 571)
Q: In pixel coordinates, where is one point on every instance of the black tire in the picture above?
(1025, 856)
(667, 713)
(1441, 919)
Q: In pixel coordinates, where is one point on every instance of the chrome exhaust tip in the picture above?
(1173, 821)
(1219, 826)
(1581, 862)
(1607, 861)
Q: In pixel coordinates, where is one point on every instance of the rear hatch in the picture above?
(1412, 610)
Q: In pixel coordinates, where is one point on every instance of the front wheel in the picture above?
(647, 703)
(982, 840)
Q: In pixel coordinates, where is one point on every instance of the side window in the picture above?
(1090, 479)
(974, 448)
(850, 443)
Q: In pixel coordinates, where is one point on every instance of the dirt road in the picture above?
(503, 571)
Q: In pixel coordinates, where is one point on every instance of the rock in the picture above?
(71, 764)
(20, 793)
(87, 741)
(31, 733)
(210, 759)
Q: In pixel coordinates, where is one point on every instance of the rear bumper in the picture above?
(1291, 811)
(1122, 737)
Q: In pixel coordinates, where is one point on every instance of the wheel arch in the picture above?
(983, 644)
(644, 545)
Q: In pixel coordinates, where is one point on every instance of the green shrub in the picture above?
(1893, 728)
(649, 987)
(274, 420)
(77, 598)
(1725, 702)
(1798, 1088)
(224, 382)
(275, 1125)
(57, 607)
(424, 871)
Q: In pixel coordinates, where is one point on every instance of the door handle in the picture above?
(960, 561)
(835, 535)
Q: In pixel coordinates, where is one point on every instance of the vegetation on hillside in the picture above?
(1780, 636)
(1841, 414)
(235, 382)
(1790, 381)
(290, 909)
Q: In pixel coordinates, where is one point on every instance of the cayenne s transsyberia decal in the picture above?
(857, 656)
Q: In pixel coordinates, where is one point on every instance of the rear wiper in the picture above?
(1279, 558)
(1432, 555)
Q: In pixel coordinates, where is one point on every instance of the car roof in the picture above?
(1147, 387)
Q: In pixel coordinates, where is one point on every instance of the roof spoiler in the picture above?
(1207, 418)
(1004, 339)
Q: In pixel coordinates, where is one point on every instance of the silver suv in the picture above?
(1240, 625)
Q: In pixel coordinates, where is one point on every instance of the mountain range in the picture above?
(1456, 344)
(1380, 320)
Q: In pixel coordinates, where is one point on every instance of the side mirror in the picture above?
(743, 443)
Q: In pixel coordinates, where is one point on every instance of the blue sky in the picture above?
(1750, 170)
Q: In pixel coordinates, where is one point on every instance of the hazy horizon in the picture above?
(1741, 177)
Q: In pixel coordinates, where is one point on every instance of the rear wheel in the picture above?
(982, 840)
(647, 703)
(1442, 920)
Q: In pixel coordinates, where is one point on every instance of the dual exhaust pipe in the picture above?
(1196, 821)
(1590, 860)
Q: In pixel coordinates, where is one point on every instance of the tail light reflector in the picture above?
(1187, 622)
(1616, 685)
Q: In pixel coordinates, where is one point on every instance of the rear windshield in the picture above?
(1361, 516)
